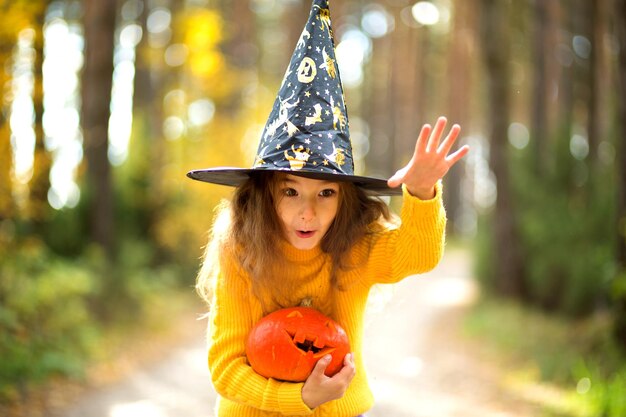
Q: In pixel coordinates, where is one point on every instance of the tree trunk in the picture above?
(99, 26)
(566, 98)
(539, 101)
(7, 208)
(597, 80)
(620, 27)
(143, 93)
(7, 205)
(42, 162)
(459, 100)
(377, 101)
(240, 48)
(151, 84)
(296, 15)
(408, 108)
(508, 265)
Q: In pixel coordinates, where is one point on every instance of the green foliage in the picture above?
(136, 283)
(563, 216)
(578, 356)
(483, 267)
(575, 226)
(618, 289)
(55, 312)
(66, 231)
(570, 259)
(46, 326)
(605, 394)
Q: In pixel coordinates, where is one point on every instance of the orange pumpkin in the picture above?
(287, 343)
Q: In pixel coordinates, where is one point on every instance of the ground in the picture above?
(440, 372)
(419, 362)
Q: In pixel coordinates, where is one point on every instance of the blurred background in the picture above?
(106, 104)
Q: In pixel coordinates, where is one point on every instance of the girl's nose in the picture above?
(307, 210)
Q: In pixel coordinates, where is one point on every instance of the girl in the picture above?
(293, 239)
(302, 229)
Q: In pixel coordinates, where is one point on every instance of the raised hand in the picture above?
(319, 388)
(430, 161)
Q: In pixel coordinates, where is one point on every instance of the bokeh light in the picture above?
(376, 22)
(425, 13)
(352, 52)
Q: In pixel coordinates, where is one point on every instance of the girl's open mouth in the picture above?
(305, 233)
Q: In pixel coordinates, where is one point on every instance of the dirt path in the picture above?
(418, 364)
(433, 371)
(179, 386)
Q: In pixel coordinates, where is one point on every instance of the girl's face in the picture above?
(306, 209)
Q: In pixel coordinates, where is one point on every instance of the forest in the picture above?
(107, 104)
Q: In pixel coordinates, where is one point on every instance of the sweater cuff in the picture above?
(438, 192)
(423, 214)
(291, 403)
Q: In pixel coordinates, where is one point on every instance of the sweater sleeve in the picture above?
(231, 320)
(416, 246)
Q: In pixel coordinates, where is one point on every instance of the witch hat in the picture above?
(307, 132)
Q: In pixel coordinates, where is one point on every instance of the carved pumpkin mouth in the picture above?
(307, 344)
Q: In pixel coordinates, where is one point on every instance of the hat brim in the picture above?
(236, 176)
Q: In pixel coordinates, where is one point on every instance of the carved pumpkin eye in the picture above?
(308, 346)
(295, 313)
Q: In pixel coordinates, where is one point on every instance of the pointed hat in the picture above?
(307, 132)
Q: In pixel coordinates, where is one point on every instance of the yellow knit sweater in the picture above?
(414, 247)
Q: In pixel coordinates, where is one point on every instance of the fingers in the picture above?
(456, 156)
(447, 143)
(320, 367)
(433, 143)
(341, 380)
(396, 179)
(422, 140)
(430, 161)
(428, 140)
(349, 369)
(318, 388)
(423, 145)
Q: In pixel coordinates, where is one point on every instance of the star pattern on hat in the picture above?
(309, 108)
(307, 131)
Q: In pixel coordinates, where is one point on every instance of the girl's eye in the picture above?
(290, 192)
(329, 192)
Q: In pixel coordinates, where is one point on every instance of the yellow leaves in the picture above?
(204, 31)
(15, 16)
(207, 64)
(39, 184)
(6, 164)
(183, 227)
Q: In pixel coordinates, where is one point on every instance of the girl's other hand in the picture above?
(318, 388)
(430, 161)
